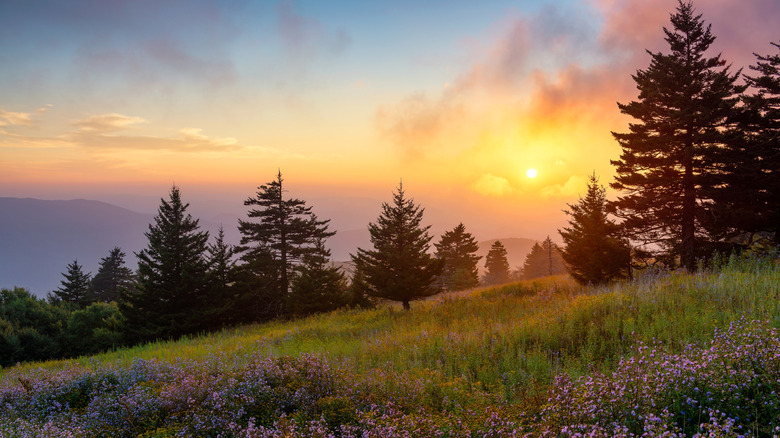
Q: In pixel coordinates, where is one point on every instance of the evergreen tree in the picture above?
(172, 270)
(316, 286)
(750, 200)
(496, 264)
(112, 276)
(399, 268)
(358, 291)
(544, 260)
(457, 249)
(282, 233)
(220, 279)
(593, 248)
(668, 164)
(75, 286)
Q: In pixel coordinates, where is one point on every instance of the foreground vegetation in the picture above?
(666, 353)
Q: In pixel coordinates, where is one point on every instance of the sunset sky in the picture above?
(117, 100)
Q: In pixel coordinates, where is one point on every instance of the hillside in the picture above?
(664, 352)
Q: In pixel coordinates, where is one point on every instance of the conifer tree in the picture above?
(111, 277)
(75, 286)
(280, 233)
(593, 248)
(496, 264)
(749, 201)
(399, 268)
(220, 281)
(668, 165)
(544, 260)
(171, 288)
(457, 249)
(316, 286)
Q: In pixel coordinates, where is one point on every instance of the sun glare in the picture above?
(531, 173)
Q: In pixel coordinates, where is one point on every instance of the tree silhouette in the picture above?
(75, 286)
(399, 268)
(593, 248)
(279, 235)
(457, 249)
(112, 276)
(669, 162)
(496, 264)
(171, 286)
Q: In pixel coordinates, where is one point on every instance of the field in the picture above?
(668, 354)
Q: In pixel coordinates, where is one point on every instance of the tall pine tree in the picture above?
(278, 235)
(168, 300)
(317, 286)
(457, 249)
(496, 264)
(544, 260)
(220, 280)
(399, 268)
(112, 276)
(593, 248)
(669, 161)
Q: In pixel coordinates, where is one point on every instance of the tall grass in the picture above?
(509, 341)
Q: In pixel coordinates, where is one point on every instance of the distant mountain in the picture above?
(39, 238)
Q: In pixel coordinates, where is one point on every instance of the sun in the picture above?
(531, 173)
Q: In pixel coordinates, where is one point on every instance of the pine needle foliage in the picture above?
(399, 268)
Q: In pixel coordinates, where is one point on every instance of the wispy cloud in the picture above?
(492, 185)
(15, 118)
(104, 123)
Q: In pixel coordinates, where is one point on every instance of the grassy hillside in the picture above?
(488, 361)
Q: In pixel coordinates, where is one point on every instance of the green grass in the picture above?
(509, 340)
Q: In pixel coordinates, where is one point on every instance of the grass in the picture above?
(510, 335)
(486, 348)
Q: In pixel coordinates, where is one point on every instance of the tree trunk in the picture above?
(406, 305)
(688, 253)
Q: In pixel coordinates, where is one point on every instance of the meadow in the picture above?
(667, 354)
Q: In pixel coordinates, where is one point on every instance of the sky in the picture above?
(118, 100)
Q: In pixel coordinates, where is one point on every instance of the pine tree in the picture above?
(112, 276)
(668, 165)
(220, 280)
(749, 202)
(281, 233)
(496, 264)
(457, 249)
(316, 286)
(75, 286)
(171, 286)
(544, 260)
(593, 248)
(399, 268)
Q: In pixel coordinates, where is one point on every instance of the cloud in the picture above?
(492, 185)
(572, 186)
(14, 118)
(107, 123)
(188, 140)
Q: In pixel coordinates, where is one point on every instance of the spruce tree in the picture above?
(749, 201)
(668, 165)
(278, 235)
(593, 248)
(75, 286)
(496, 264)
(317, 287)
(399, 268)
(544, 260)
(220, 281)
(171, 289)
(457, 249)
(112, 276)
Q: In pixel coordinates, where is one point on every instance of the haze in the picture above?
(115, 101)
